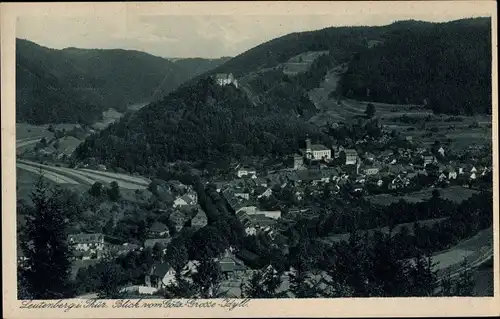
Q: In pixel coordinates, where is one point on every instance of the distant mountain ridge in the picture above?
(75, 85)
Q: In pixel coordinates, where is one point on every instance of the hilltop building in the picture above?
(226, 79)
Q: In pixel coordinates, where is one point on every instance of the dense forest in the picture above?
(445, 66)
(202, 122)
(75, 85)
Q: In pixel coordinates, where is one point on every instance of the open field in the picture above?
(28, 131)
(108, 117)
(424, 126)
(453, 193)
(301, 62)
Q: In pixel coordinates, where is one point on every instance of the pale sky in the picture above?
(208, 36)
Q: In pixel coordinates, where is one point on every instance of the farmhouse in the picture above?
(160, 276)
(86, 242)
(158, 230)
(190, 198)
(230, 265)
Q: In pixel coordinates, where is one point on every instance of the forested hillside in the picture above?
(203, 122)
(75, 85)
(408, 61)
(41, 97)
(446, 66)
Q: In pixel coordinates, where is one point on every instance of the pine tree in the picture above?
(254, 288)
(96, 189)
(423, 279)
(301, 285)
(114, 191)
(44, 243)
(446, 285)
(370, 110)
(465, 283)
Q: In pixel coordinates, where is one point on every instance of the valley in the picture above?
(304, 167)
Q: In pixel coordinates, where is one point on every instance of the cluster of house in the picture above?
(254, 219)
(232, 264)
(187, 212)
(391, 169)
(401, 165)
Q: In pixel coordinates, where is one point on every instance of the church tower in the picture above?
(308, 148)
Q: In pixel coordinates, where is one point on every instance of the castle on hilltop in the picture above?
(226, 79)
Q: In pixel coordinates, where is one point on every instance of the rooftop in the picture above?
(159, 270)
(350, 151)
(319, 147)
(85, 238)
(158, 227)
(150, 243)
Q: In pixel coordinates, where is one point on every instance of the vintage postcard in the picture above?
(250, 159)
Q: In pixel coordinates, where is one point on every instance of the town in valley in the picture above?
(342, 162)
